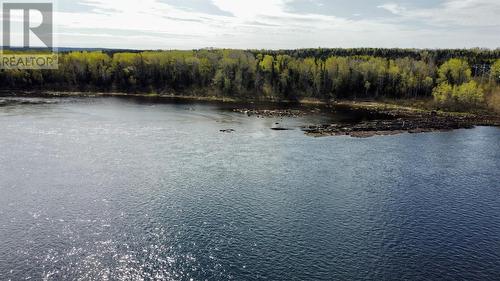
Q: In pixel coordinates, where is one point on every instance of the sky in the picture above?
(277, 24)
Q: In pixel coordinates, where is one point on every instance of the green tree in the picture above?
(443, 93)
(469, 94)
(284, 74)
(495, 71)
(455, 72)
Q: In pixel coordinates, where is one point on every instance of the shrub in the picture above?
(493, 99)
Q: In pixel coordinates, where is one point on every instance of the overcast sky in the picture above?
(273, 24)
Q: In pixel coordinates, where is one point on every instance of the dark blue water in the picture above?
(111, 189)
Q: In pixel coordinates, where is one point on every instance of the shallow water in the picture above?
(125, 190)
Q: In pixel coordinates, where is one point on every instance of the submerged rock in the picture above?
(271, 113)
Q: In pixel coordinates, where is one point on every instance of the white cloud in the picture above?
(392, 7)
(245, 9)
(453, 13)
(269, 24)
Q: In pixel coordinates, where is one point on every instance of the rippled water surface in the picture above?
(98, 189)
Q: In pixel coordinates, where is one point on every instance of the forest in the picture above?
(451, 77)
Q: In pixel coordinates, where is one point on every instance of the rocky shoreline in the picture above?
(390, 120)
(403, 122)
(388, 127)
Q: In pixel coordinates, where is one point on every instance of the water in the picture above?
(98, 189)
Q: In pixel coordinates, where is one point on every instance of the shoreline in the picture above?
(392, 118)
(401, 119)
(210, 98)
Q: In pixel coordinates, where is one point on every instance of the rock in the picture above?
(390, 127)
(274, 113)
(281, 129)
(227, 131)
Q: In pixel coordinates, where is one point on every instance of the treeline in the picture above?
(307, 73)
(438, 56)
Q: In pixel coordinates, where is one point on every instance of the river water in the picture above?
(113, 189)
